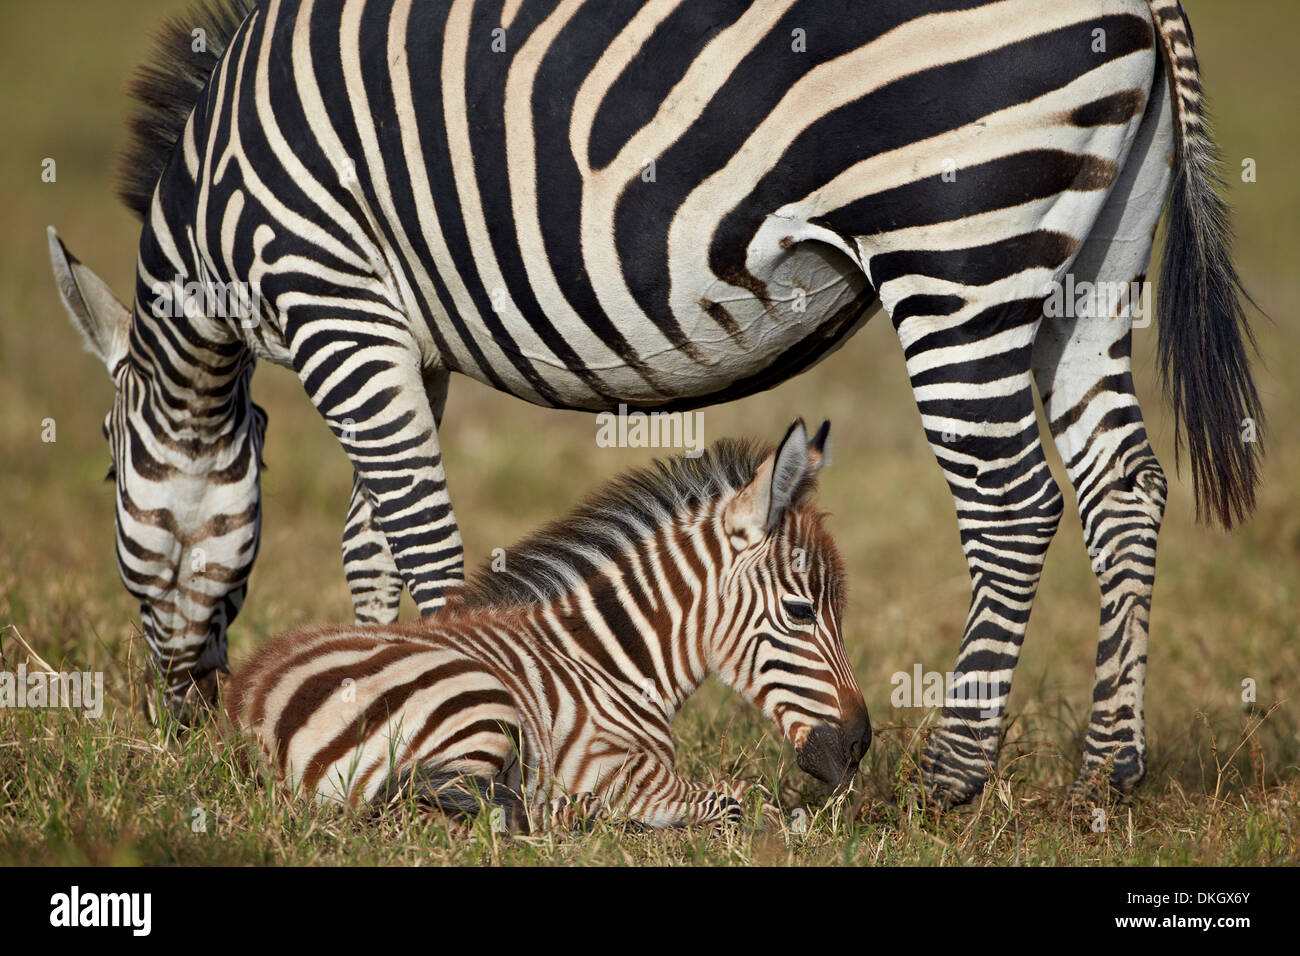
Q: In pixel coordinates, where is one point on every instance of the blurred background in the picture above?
(1226, 606)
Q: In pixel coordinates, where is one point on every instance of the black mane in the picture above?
(553, 561)
(166, 91)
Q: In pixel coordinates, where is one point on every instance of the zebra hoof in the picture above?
(199, 705)
(1087, 793)
(944, 795)
(949, 778)
(731, 815)
(189, 710)
(1101, 784)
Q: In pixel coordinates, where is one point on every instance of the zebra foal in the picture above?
(554, 682)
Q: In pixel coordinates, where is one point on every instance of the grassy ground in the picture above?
(1224, 785)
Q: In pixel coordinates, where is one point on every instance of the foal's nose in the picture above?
(858, 737)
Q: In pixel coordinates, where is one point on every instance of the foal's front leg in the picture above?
(574, 811)
(651, 792)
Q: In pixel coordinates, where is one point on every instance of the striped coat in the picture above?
(674, 203)
(550, 686)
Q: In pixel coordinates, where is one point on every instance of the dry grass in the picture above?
(1227, 607)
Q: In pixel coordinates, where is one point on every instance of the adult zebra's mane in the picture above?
(553, 561)
(166, 91)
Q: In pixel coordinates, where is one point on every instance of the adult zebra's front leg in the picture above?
(365, 379)
(368, 565)
(373, 578)
(970, 373)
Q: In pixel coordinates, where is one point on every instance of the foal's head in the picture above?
(781, 599)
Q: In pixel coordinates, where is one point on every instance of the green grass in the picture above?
(1227, 607)
(108, 792)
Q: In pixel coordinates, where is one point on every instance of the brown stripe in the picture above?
(316, 689)
(383, 707)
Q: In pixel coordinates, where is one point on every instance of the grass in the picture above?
(109, 792)
(1224, 781)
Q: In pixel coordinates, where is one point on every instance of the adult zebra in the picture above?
(670, 204)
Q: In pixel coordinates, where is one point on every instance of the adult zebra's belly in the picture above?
(719, 339)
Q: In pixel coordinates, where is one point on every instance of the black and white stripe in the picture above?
(681, 202)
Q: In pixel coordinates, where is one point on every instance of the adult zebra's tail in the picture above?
(1203, 333)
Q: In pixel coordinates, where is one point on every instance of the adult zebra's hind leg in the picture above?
(1120, 490)
(967, 319)
(977, 408)
(1082, 364)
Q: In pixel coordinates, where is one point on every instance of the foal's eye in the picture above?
(800, 610)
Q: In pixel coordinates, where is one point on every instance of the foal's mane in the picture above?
(553, 561)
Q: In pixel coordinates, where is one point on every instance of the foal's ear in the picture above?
(103, 321)
(819, 449)
(778, 483)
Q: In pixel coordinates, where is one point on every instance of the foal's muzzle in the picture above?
(832, 753)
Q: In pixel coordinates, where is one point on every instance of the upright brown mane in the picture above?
(553, 561)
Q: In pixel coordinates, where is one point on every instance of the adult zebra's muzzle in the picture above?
(186, 659)
(832, 753)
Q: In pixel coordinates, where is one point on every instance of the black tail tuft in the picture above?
(1205, 340)
(167, 90)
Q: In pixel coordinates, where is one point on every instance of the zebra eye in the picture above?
(800, 610)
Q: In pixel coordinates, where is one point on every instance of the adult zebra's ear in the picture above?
(103, 321)
(779, 482)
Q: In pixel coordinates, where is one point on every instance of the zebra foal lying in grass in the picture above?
(548, 688)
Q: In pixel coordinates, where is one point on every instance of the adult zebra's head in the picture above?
(185, 442)
(781, 600)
